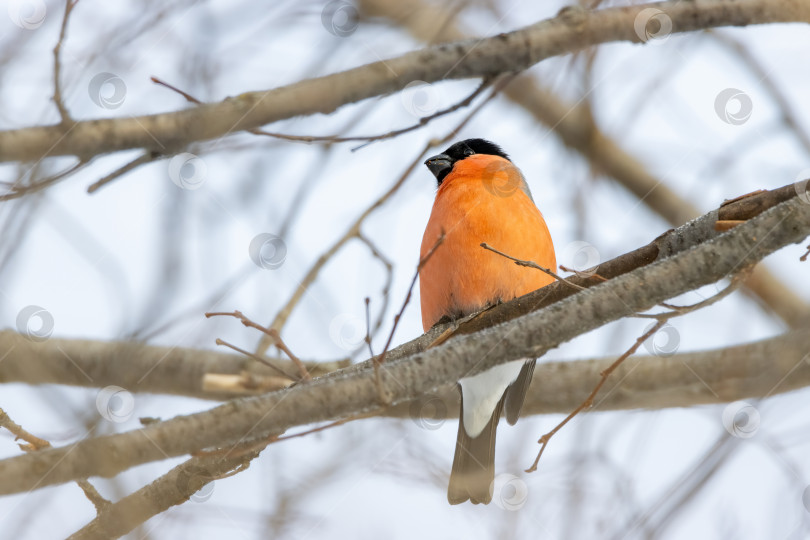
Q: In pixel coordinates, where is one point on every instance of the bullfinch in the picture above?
(482, 197)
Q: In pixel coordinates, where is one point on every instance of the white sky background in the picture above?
(97, 263)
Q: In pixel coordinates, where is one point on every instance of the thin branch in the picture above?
(146, 157)
(532, 264)
(589, 400)
(258, 358)
(57, 64)
(377, 361)
(663, 318)
(18, 190)
(389, 279)
(339, 139)
(274, 335)
(34, 443)
(368, 327)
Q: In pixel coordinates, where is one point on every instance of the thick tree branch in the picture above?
(354, 392)
(175, 487)
(572, 30)
(648, 382)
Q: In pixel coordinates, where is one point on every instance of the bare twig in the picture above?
(531, 264)
(146, 157)
(389, 278)
(339, 139)
(34, 443)
(330, 425)
(274, 335)
(256, 357)
(368, 328)
(17, 189)
(589, 400)
(57, 64)
(378, 360)
(662, 319)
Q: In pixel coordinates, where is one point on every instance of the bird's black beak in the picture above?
(440, 165)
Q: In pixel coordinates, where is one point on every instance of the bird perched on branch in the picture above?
(482, 197)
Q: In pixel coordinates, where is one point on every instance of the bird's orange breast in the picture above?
(481, 200)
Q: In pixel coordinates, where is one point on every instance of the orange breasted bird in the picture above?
(482, 197)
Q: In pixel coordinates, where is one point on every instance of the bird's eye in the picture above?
(468, 151)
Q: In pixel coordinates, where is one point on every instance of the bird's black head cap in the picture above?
(441, 165)
(468, 147)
